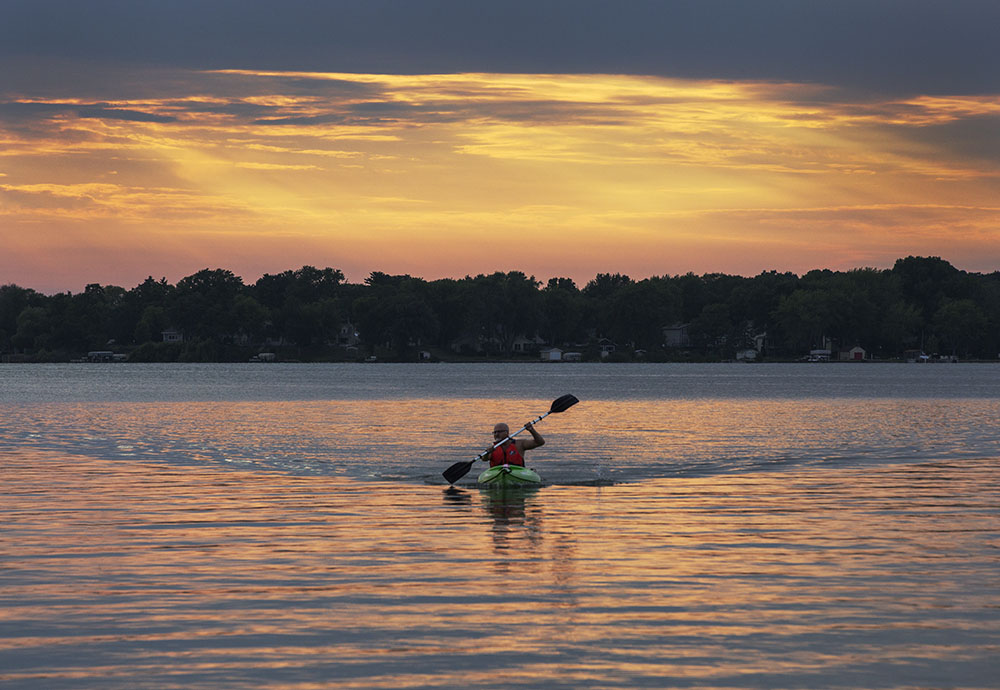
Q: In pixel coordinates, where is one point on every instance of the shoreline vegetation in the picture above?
(922, 309)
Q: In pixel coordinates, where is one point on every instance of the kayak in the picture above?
(509, 475)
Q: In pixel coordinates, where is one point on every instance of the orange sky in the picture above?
(448, 175)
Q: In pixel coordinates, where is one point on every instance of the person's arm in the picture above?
(533, 442)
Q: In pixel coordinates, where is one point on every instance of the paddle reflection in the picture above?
(455, 496)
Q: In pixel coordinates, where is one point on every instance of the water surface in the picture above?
(406, 422)
(239, 526)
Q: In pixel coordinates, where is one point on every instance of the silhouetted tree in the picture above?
(203, 305)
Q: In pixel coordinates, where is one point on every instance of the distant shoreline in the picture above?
(920, 307)
(531, 362)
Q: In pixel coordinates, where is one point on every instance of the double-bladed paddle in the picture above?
(460, 469)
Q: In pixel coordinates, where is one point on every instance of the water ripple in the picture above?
(131, 574)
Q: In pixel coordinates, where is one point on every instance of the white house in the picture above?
(855, 354)
(551, 354)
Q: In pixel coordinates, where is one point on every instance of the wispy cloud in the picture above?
(431, 174)
(34, 110)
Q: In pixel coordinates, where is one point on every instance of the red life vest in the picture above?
(506, 455)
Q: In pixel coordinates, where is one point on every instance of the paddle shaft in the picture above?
(496, 445)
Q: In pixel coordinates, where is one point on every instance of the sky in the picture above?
(444, 138)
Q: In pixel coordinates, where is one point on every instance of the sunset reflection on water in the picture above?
(126, 574)
(596, 442)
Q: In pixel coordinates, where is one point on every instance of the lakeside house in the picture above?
(523, 344)
(555, 354)
(855, 354)
(172, 335)
(348, 335)
(551, 354)
(606, 346)
(822, 354)
(676, 335)
(102, 356)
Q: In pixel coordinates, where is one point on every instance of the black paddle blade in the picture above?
(563, 403)
(457, 471)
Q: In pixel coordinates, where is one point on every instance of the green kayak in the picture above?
(509, 475)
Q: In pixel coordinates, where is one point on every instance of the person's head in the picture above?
(500, 432)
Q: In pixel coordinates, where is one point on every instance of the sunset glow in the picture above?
(455, 174)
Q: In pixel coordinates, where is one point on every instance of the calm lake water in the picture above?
(701, 526)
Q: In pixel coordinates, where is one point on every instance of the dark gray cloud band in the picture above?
(887, 46)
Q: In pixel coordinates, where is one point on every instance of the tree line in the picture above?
(921, 303)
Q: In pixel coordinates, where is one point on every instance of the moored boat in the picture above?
(509, 475)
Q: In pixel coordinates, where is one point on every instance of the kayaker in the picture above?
(512, 451)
